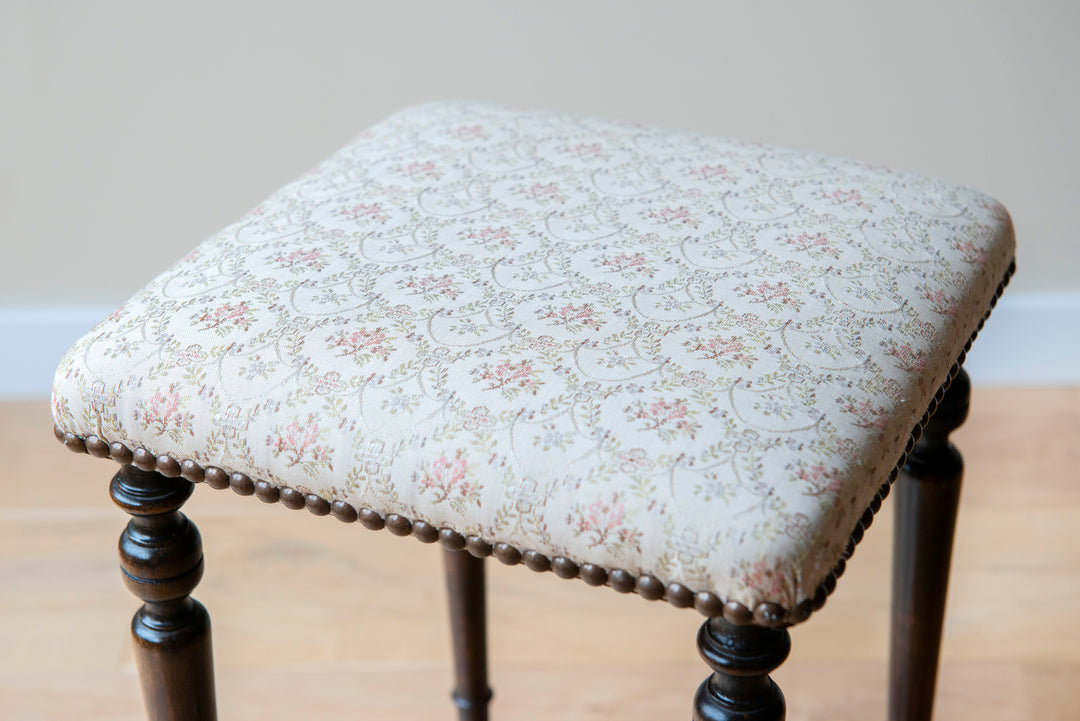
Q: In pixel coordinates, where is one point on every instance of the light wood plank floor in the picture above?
(314, 618)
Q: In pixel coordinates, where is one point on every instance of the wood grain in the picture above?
(467, 597)
(162, 562)
(926, 498)
(312, 616)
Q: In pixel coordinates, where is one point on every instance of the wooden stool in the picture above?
(680, 366)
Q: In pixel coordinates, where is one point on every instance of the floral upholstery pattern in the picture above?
(687, 356)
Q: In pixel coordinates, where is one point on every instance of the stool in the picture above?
(675, 365)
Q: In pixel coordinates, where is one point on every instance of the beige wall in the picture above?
(131, 130)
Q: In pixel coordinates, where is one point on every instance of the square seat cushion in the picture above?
(666, 362)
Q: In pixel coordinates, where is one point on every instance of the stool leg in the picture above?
(161, 560)
(927, 496)
(741, 658)
(465, 589)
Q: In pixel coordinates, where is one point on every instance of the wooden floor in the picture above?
(316, 619)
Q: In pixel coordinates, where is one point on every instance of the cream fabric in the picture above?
(660, 352)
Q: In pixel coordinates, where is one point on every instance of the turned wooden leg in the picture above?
(162, 562)
(465, 589)
(927, 495)
(741, 658)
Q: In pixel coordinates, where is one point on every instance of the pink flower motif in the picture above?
(192, 354)
(572, 316)
(227, 314)
(401, 310)
(820, 481)
(672, 216)
(723, 350)
(764, 578)
(813, 244)
(362, 343)
(603, 517)
(603, 522)
(708, 172)
(509, 376)
(667, 417)
(329, 383)
(476, 418)
(431, 286)
(907, 358)
(311, 258)
(540, 192)
(943, 304)
(298, 440)
(635, 263)
(586, 150)
(469, 131)
(778, 293)
(972, 253)
(693, 379)
(363, 212)
(635, 459)
(492, 235)
(842, 197)
(447, 478)
(162, 411)
(867, 416)
(418, 168)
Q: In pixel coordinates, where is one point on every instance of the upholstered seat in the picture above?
(682, 366)
(676, 364)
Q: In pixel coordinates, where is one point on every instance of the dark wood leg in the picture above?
(741, 658)
(927, 496)
(465, 588)
(162, 562)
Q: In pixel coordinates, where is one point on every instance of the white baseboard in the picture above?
(1033, 339)
(32, 341)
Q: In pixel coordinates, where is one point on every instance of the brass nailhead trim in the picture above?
(646, 585)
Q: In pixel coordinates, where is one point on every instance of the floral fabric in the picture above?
(661, 352)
